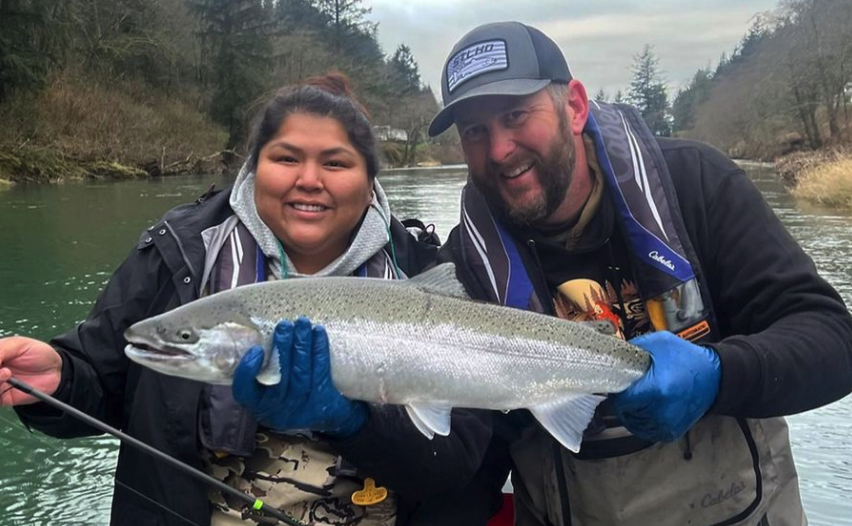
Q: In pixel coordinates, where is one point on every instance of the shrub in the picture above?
(83, 120)
(829, 184)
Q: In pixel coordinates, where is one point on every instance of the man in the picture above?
(575, 209)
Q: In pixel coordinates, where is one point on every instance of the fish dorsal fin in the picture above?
(439, 280)
(567, 418)
(430, 420)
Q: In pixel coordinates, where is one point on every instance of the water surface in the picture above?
(60, 243)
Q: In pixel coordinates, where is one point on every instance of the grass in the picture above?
(78, 127)
(829, 184)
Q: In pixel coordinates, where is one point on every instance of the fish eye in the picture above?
(187, 335)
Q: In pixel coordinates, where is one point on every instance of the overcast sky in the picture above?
(599, 37)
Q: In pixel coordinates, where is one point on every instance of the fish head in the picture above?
(180, 343)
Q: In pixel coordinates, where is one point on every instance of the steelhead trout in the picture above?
(420, 343)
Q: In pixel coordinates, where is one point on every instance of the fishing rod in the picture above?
(255, 503)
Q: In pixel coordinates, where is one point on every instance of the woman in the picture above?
(305, 203)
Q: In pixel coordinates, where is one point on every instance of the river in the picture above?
(60, 243)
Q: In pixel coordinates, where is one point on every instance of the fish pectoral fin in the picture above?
(430, 420)
(567, 418)
(271, 372)
(440, 280)
(269, 376)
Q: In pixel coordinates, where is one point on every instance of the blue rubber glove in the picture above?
(306, 397)
(678, 389)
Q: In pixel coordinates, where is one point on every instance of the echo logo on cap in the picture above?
(475, 60)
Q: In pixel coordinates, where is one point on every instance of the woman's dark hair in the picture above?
(329, 95)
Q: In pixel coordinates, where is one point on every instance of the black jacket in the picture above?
(783, 334)
(162, 272)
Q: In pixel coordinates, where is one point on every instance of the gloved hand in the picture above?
(678, 389)
(306, 397)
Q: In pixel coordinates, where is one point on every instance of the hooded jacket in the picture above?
(163, 271)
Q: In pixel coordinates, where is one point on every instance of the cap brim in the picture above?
(511, 87)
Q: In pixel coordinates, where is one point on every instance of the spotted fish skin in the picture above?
(420, 343)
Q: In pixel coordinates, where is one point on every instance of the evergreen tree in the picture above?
(722, 65)
(648, 92)
(687, 100)
(135, 39)
(348, 19)
(405, 71)
(301, 15)
(619, 97)
(601, 95)
(238, 48)
(33, 35)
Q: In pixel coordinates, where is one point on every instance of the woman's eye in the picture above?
(335, 164)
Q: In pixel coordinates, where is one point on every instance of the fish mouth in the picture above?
(148, 351)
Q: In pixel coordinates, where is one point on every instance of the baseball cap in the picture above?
(502, 58)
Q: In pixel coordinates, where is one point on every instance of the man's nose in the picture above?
(501, 144)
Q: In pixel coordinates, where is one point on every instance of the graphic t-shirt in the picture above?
(587, 265)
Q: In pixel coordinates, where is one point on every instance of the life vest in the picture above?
(726, 471)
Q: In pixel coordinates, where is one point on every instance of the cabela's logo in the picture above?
(714, 498)
(659, 258)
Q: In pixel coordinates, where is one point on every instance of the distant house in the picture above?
(388, 134)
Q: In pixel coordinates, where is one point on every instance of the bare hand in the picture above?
(31, 361)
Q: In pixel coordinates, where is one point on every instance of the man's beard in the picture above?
(555, 172)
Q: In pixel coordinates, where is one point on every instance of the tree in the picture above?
(405, 71)
(414, 116)
(687, 99)
(238, 42)
(33, 35)
(750, 43)
(722, 65)
(348, 19)
(302, 15)
(824, 42)
(648, 92)
(601, 95)
(619, 97)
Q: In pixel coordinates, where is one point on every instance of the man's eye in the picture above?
(473, 133)
(516, 116)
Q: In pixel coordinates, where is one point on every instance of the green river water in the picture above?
(60, 243)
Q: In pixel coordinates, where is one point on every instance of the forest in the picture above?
(786, 86)
(132, 87)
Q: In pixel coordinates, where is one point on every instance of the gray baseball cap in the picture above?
(503, 58)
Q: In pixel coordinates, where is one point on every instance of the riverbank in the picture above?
(39, 165)
(78, 127)
(44, 165)
(793, 166)
(822, 177)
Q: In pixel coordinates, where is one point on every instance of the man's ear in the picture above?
(578, 104)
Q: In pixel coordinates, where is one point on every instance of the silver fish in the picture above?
(420, 343)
